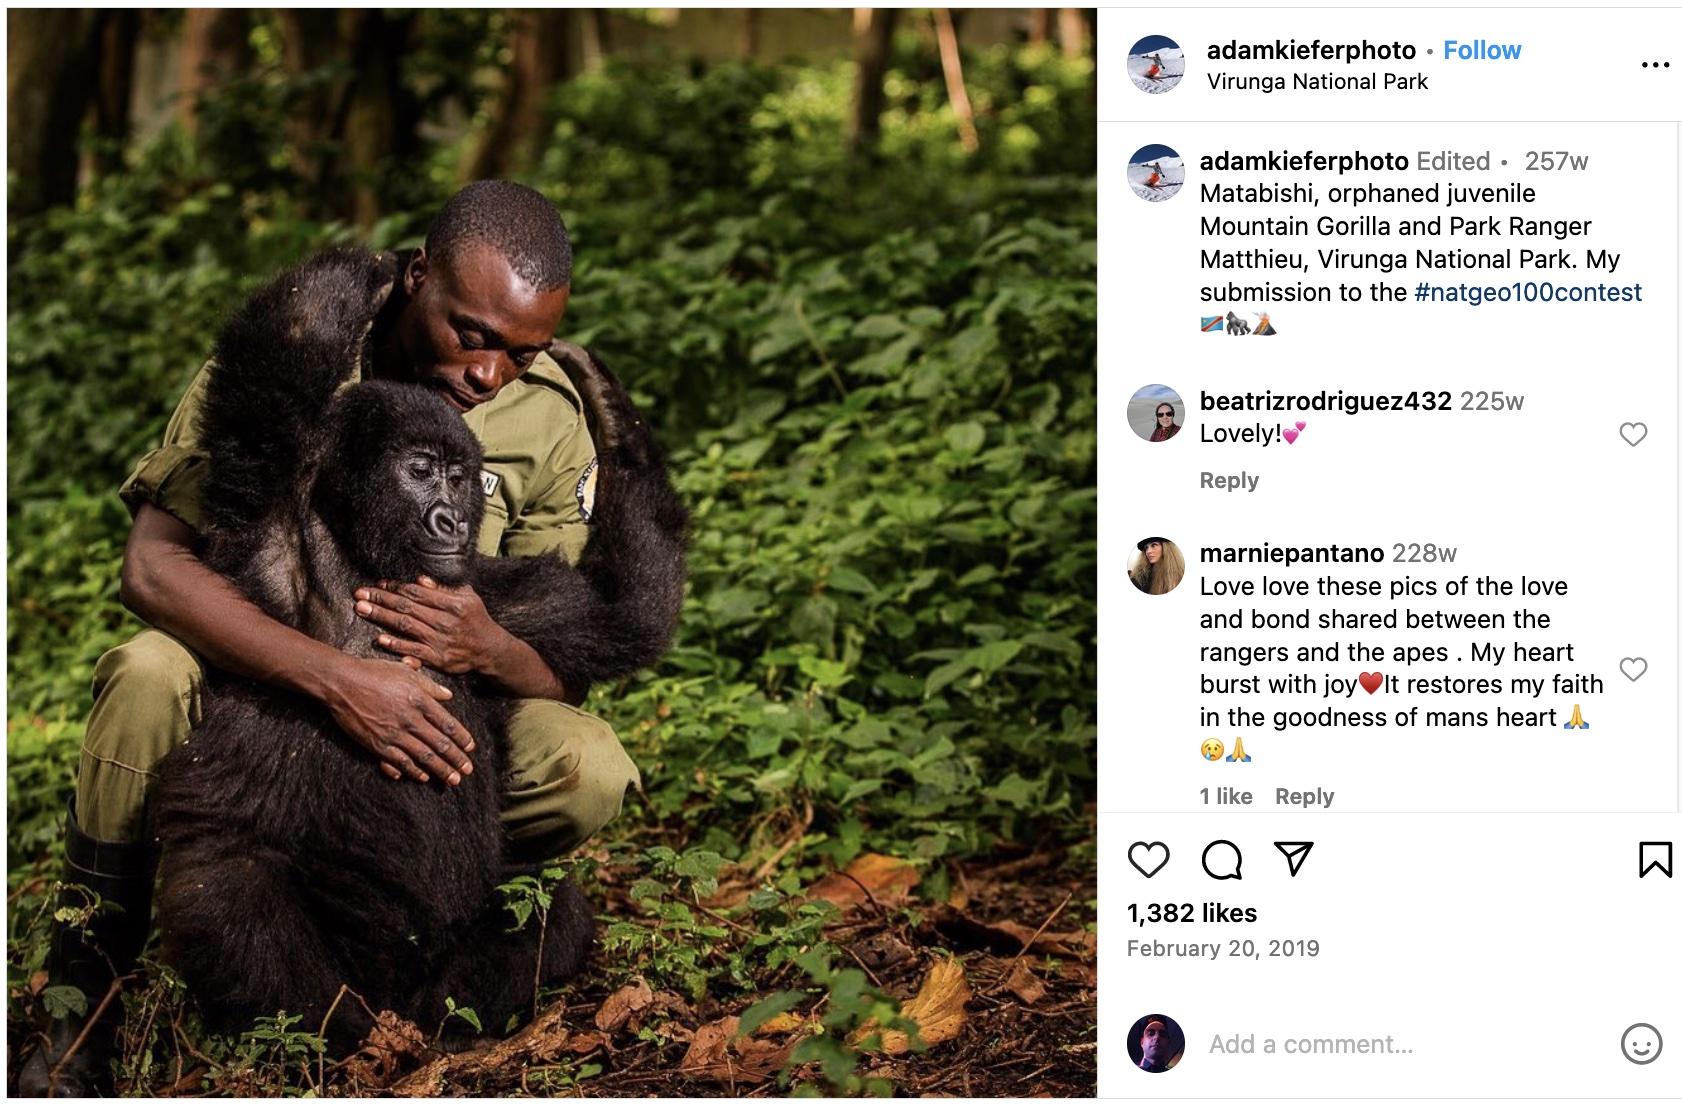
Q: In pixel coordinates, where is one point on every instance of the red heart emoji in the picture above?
(1372, 681)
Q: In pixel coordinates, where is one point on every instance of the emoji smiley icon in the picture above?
(1212, 749)
(1642, 1043)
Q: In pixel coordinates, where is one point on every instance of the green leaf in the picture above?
(1015, 791)
(63, 1001)
(945, 674)
(993, 656)
(845, 579)
(965, 437)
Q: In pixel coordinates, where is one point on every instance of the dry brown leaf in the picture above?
(383, 1056)
(624, 1004)
(544, 1041)
(580, 1043)
(1024, 984)
(886, 880)
(709, 1043)
(938, 1008)
(715, 1055)
(1071, 943)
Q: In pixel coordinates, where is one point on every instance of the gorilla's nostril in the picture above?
(443, 522)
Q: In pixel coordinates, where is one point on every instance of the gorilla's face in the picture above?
(470, 327)
(401, 494)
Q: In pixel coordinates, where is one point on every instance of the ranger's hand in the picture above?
(446, 628)
(396, 714)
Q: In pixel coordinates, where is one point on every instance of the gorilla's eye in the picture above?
(420, 468)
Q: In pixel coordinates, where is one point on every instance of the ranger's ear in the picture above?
(414, 274)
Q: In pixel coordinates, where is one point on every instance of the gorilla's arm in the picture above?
(279, 359)
(617, 611)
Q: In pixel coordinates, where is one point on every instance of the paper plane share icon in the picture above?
(1295, 853)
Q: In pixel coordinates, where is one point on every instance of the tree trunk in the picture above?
(309, 42)
(873, 37)
(1039, 26)
(380, 116)
(750, 33)
(545, 54)
(215, 46)
(1071, 28)
(118, 40)
(952, 64)
(49, 53)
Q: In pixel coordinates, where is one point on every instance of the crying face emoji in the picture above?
(1212, 749)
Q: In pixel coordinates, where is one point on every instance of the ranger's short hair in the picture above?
(516, 221)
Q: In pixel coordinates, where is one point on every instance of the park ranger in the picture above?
(471, 315)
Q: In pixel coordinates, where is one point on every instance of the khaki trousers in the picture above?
(566, 774)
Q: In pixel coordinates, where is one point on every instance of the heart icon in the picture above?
(1302, 426)
(1633, 667)
(1633, 432)
(1291, 437)
(1150, 852)
(1372, 681)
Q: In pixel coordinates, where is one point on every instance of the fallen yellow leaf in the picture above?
(938, 1008)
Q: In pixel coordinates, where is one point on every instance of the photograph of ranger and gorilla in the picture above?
(469, 717)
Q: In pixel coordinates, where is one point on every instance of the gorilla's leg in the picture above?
(495, 972)
(240, 933)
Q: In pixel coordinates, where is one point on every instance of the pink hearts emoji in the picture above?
(1290, 437)
(1302, 426)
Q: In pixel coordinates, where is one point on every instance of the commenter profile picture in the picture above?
(1156, 172)
(1155, 413)
(1157, 567)
(1156, 1043)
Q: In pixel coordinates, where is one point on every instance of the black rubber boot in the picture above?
(89, 959)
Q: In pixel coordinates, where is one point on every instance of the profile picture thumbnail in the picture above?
(1156, 64)
(1156, 173)
(1155, 1043)
(1157, 566)
(1155, 412)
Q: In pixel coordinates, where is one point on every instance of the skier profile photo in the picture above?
(1155, 413)
(1156, 1043)
(1156, 173)
(1156, 64)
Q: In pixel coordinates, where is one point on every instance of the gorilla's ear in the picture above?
(414, 273)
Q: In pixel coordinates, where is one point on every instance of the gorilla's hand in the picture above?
(394, 712)
(446, 628)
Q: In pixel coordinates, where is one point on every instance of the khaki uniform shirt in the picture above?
(539, 474)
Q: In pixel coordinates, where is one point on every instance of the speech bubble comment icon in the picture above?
(1222, 860)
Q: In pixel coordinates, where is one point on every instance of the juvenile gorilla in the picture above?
(290, 865)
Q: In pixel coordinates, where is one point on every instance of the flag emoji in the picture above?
(1214, 324)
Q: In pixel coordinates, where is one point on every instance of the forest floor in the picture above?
(1001, 978)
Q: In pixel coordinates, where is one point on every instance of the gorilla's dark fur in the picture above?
(291, 865)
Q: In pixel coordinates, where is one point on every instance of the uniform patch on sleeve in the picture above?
(586, 491)
(489, 481)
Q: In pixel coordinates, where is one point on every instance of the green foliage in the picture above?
(854, 1016)
(273, 1059)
